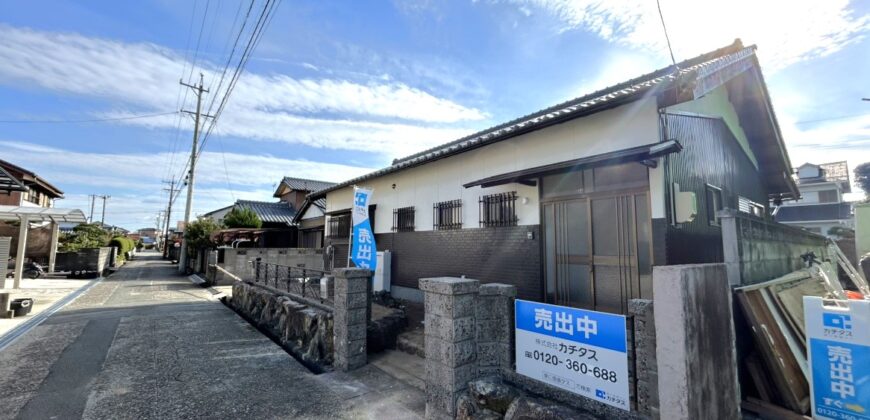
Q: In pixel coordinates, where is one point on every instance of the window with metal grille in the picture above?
(447, 215)
(338, 226)
(498, 209)
(403, 219)
(828, 196)
(748, 206)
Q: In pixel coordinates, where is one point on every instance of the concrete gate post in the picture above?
(494, 325)
(695, 345)
(352, 302)
(450, 343)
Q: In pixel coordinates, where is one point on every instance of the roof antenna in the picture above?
(667, 38)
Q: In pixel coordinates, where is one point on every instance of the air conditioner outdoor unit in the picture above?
(382, 272)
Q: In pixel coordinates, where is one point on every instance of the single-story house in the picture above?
(575, 204)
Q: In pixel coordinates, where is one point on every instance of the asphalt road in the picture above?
(145, 343)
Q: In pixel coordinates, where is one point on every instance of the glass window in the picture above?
(614, 177)
(562, 184)
(604, 227)
(828, 196)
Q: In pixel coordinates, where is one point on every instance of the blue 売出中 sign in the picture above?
(578, 350)
(838, 343)
(363, 252)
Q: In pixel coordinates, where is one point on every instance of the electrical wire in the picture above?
(131, 117)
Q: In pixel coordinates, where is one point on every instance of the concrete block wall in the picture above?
(756, 250)
(494, 328)
(236, 259)
(695, 343)
(451, 350)
(646, 391)
(352, 305)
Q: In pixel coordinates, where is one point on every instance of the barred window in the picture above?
(339, 226)
(498, 209)
(748, 206)
(403, 219)
(447, 215)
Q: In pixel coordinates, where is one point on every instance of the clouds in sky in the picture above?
(326, 113)
(786, 32)
(251, 177)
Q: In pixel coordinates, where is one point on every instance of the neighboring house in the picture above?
(20, 187)
(575, 204)
(294, 190)
(115, 230)
(219, 214)
(822, 205)
(311, 222)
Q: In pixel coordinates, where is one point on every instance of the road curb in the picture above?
(14, 334)
(199, 281)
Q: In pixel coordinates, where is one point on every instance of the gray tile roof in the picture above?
(613, 96)
(301, 184)
(269, 212)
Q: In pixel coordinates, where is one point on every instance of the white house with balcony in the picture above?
(822, 205)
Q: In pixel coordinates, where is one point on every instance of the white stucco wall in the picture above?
(620, 128)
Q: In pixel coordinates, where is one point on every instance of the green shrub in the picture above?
(85, 235)
(124, 245)
(242, 218)
(198, 234)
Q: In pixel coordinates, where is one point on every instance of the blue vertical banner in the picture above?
(363, 252)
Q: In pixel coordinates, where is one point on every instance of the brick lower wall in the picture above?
(491, 255)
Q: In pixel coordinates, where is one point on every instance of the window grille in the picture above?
(748, 206)
(447, 215)
(339, 226)
(498, 209)
(403, 219)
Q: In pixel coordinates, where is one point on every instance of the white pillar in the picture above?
(22, 247)
(52, 250)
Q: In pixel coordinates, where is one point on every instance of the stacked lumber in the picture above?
(774, 309)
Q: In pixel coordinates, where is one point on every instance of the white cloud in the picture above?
(786, 32)
(135, 186)
(321, 112)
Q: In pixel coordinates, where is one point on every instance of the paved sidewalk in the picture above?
(44, 291)
(145, 343)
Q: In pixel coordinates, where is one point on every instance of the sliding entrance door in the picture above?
(597, 244)
(567, 253)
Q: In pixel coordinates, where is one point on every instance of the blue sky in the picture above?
(335, 89)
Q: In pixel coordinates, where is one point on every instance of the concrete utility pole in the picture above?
(103, 217)
(198, 91)
(172, 190)
(93, 198)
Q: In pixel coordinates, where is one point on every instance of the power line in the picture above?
(665, 28)
(131, 117)
(841, 117)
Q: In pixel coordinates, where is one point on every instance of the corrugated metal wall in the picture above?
(711, 155)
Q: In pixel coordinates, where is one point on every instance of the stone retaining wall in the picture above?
(303, 330)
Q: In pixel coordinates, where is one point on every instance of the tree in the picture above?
(862, 178)
(198, 234)
(85, 235)
(242, 218)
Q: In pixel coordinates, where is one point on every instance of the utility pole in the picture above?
(103, 217)
(172, 190)
(198, 91)
(93, 198)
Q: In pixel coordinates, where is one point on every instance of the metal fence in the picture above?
(299, 281)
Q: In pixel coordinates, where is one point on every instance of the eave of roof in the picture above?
(600, 100)
(34, 178)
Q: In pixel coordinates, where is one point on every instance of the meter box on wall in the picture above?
(838, 347)
(580, 351)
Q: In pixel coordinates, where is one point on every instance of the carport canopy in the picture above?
(26, 215)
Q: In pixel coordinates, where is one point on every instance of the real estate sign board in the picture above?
(577, 350)
(838, 348)
(363, 251)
